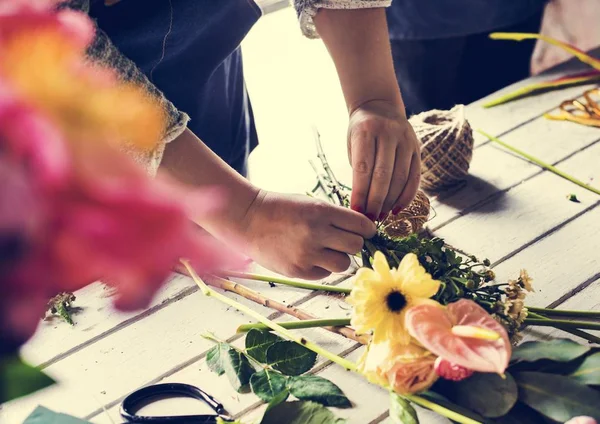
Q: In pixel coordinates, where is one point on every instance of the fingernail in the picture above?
(356, 208)
(370, 216)
(382, 216)
(396, 211)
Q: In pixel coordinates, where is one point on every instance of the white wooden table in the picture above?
(510, 211)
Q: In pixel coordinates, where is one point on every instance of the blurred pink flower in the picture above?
(460, 333)
(581, 420)
(73, 208)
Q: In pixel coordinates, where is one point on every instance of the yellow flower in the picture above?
(404, 368)
(382, 296)
(87, 103)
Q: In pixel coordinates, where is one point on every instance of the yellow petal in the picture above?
(381, 266)
(416, 282)
(475, 332)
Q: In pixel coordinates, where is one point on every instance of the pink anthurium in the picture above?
(462, 333)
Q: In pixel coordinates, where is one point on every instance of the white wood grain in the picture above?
(560, 262)
(523, 213)
(113, 366)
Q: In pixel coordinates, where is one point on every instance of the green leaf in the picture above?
(401, 411)
(213, 358)
(557, 397)
(588, 371)
(486, 394)
(290, 358)
(19, 379)
(318, 389)
(281, 397)
(42, 415)
(257, 343)
(521, 414)
(300, 412)
(560, 350)
(237, 368)
(267, 384)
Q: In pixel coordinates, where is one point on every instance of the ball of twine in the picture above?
(409, 220)
(446, 147)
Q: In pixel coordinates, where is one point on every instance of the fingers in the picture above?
(314, 273)
(412, 185)
(362, 159)
(333, 261)
(383, 169)
(399, 179)
(342, 241)
(353, 222)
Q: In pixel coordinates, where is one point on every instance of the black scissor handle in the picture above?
(140, 397)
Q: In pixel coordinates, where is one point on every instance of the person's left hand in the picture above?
(385, 156)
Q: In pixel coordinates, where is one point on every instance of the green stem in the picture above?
(565, 313)
(448, 413)
(563, 323)
(589, 337)
(297, 325)
(207, 291)
(286, 282)
(538, 162)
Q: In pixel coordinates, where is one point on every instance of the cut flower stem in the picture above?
(541, 163)
(349, 365)
(296, 325)
(565, 313)
(286, 282)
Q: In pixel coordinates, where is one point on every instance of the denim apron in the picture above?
(190, 50)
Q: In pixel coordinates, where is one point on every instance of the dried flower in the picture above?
(382, 296)
(433, 327)
(526, 281)
(405, 368)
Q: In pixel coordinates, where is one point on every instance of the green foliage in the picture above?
(488, 395)
(42, 415)
(281, 365)
(557, 397)
(257, 343)
(588, 371)
(559, 350)
(62, 306)
(267, 384)
(318, 389)
(19, 379)
(300, 412)
(290, 358)
(401, 411)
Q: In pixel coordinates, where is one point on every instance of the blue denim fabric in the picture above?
(190, 50)
(438, 19)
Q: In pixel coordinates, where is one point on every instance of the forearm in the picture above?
(191, 162)
(358, 43)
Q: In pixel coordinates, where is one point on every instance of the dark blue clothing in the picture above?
(189, 49)
(438, 19)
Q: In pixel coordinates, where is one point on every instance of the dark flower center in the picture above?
(395, 301)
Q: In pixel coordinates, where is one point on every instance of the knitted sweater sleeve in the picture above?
(307, 9)
(104, 53)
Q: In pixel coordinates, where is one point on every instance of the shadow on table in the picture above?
(474, 193)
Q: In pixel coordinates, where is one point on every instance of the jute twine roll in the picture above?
(446, 147)
(409, 220)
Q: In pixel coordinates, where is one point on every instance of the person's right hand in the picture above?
(302, 237)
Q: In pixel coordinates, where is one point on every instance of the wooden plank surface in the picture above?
(510, 211)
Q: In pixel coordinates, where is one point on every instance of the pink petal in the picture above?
(432, 327)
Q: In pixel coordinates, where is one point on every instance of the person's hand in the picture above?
(385, 156)
(574, 22)
(302, 237)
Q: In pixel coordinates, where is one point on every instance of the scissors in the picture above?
(142, 397)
